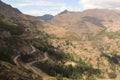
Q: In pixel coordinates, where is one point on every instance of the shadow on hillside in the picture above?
(113, 58)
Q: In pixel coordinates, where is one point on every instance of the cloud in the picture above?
(53, 11)
(27, 3)
(48, 7)
(41, 7)
(109, 4)
(70, 8)
(38, 13)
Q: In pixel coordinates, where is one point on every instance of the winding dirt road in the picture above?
(36, 70)
(33, 49)
(40, 60)
(15, 60)
(29, 65)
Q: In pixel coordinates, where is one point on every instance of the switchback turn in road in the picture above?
(29, 65)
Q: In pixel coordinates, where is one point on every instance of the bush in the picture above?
(5, 54)
(112, 75)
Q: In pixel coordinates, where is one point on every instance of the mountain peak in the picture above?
(64, 12)
(46, 17)
(0, 1)
(4, 8)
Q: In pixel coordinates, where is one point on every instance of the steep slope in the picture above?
(10, 72)
(8, 13)
(89, 22)
(15, 29)
(74, 23)
(108, 18)
(4, 8)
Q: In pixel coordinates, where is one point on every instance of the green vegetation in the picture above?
(57, 68)
(100, 35)
(10, 72)
(114, 35)
(112, 75)
(45, 46)
(56, 55)
(6, 51)
(27, 57)
(73, 38)
(69, 71)
(110, 35)
(11, 27)
(5, 54)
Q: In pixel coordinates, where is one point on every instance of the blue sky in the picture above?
(41, 7)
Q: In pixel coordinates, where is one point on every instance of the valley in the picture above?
(68, 46)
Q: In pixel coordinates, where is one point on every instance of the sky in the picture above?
(41, 7)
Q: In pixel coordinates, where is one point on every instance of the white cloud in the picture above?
(70, 8)
(34, 12)
(39, 13)
(38, 3)
(51, 7)
(110, 4)
(41, 7)
(53, 11)
(21, 4)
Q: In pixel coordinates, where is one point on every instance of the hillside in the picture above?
(88, 23)
(14, 73)
(71, 46)
(92, 35)
(16, 31)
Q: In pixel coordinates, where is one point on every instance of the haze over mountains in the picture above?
(87, 22)
(97, 17)
(68, 46)
(46, 17)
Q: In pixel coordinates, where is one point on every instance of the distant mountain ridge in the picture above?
(63, 12)
(46, 17)
(88, 21)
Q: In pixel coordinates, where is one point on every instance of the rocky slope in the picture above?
(15, 29)
(90, 22)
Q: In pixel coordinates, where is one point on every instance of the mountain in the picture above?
(13, 15)
(8, 8)
(71, 46)
(16, 31)
(46, 17)
(63, 12)
(93, 35)
(88, 22)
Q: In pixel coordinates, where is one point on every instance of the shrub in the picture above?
(112, 75)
